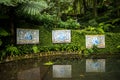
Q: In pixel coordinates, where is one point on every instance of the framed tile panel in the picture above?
(61, 36)
(27, 36)
(98, 40)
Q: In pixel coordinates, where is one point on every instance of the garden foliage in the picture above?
(82, 17)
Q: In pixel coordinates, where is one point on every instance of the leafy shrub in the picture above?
(12, 50)
(69, 24)
(93, 22)
(106, 27)
(25, 49)
(2, 54)
(3, 33)
(94, 29)
(35, 49)
(50, 21)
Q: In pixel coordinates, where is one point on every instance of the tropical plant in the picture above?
(69, 24)
(11, 50)
(118, 46)
(35, 49)
(94, 29)
(3, 33)
(31, 8)
(25, 8)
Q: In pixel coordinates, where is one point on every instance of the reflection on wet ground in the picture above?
(33, 69)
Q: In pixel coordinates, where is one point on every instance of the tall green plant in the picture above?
(12, 50)
(3, 33)
(31, 8)
(25, 8)
(35, 49)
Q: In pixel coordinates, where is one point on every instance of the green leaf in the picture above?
(35, 49)
(116, 20)
(3, 32)
(49, 63)
(118, 46)
(0, 42)
(100, 30)
(32, 8)
(12, 49)
(8, 2)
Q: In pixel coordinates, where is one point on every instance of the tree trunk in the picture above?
(77, 7)
(95, 8)
(12, 27)
(12, 30)
(117, 2)
(85, 7)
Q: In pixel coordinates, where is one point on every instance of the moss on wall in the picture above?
(77, 42)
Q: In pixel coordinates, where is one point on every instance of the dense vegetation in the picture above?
(81, 16)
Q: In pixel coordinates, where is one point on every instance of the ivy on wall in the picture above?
(77, 42)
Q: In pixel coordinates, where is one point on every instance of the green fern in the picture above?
(115, 20)
(9, 2)
(12, 2)
(12, 50)
(0, 42)
(35, 49)
(3, 32)
(31, 8)
(118, 46)
(93, 22)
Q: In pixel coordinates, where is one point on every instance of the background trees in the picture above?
(62, 13)
(86, 15)
(21, 8)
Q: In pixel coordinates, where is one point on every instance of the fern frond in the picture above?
(3, 32)
(9, 2)
(115, 20)
(12, 49)
(0, 42)
(32, 8)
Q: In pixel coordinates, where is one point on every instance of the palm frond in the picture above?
(12, 2)
(32, 8)
(21, 1)
(7, 2)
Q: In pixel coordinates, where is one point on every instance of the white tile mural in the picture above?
(61, 36)
(95, 65)
(97, 40)
(62, 71)
(27, 36)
